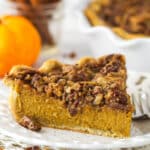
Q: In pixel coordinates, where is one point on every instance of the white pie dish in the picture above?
(102, 40)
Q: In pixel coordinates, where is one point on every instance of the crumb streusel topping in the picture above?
(95, 82)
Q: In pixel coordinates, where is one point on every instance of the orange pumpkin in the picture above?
(20, 43)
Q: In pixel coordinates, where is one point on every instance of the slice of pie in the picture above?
(128, 18)
(89, 96)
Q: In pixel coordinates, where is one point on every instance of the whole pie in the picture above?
(128, 18)
(89, 96)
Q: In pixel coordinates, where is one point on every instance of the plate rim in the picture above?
(137, 141)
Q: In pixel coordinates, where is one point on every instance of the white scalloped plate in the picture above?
(76, 30)
(140, 132)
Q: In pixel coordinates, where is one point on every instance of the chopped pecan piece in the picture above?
(89, 98)
(98, 99)
(97, 90)
(33, 148)
(29, 124)
(116, 96)
(114, 67)
(71, 55)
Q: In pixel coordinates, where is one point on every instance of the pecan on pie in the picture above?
(89, 96)
(127, 18)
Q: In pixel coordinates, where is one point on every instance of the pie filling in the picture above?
(131, 15)
(97, 83)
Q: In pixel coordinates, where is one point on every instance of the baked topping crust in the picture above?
(96, 82)
(29, 124)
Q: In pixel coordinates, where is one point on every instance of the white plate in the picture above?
(140, 132)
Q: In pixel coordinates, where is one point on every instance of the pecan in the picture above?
(103, 62)
(72, 76)
(89, 98)
(54, 78)
(96, 90)
(71, 97)
(28, 77)
(83, 75)
(62, 81)
(33, 148)
(71, 55)
(116, 96)
(120, 97)
(75, 73)
(48, 89)
(56, 89)
(93, 66)
(73, 110)
(68, 68)
(114, 67)
(40, 88)
(46, 79)
(76, 86)
(116, 105)
(68, 90)
(36, 80)
(29, 124)
(98, 99)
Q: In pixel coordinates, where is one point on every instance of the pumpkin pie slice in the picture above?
(89, 96)
(129, 18)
